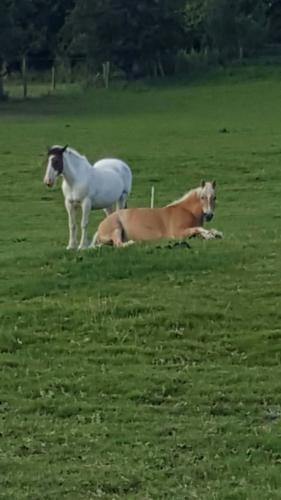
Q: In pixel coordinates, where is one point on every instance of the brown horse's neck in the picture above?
(192, 203)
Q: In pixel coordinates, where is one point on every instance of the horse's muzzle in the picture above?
(208, 216)
(48, 183)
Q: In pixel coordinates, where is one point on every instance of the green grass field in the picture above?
(143, 373)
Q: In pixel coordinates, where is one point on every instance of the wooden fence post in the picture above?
(2, 73)
(105, 73)
(53, 78)
(24, 76)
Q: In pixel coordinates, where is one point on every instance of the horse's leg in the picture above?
(109, 210)
(95, 241)
(86, 208)
(216, 233)
(116, 237)
(118, 241)
(71, 210)
(111, 233)
(128, 243)
(198, 231)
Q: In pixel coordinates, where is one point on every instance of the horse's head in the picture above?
(207, 195)
(55, 164)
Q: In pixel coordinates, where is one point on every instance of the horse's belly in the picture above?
(103, 190)
(104, 202)
(143, 224)
(106, 197)
(144, 234)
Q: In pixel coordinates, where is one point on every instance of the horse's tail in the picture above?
(127, 178)
(111, 231)
(123, 201)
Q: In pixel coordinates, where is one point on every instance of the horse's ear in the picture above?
(214, 183)
(65, 147)
(203, 184)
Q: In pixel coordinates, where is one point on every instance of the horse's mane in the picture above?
(75, 153)
(186, 196)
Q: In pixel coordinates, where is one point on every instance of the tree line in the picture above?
(139, 37)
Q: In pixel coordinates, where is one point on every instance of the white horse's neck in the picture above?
(74, 165)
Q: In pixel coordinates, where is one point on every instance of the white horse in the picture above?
(106, 185)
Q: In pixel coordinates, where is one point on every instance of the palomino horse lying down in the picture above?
(181, 219)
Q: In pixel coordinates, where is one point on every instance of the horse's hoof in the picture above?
(128, 243)
(208, 235)
(71, 247)
(216, 234)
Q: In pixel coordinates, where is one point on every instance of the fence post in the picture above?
(53, 78)
(2, 73)
(24, 75)
(105, 73)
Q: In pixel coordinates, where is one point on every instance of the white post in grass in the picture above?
(152, 197)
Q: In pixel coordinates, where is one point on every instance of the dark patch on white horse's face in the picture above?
(55, 154)
(208, 199)
(55, 164)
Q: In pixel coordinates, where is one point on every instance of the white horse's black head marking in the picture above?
(55, 153)
(55, 164)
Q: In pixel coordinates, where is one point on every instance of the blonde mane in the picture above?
(186, 196)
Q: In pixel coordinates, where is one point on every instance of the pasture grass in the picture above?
(148, 372)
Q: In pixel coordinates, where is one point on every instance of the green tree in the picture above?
(195, 20)
(36, 25)
(221, 27)
(29, 34)
(252, 26)
(142, 34)
(236, 27)
(6, 38)
(273, 13)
